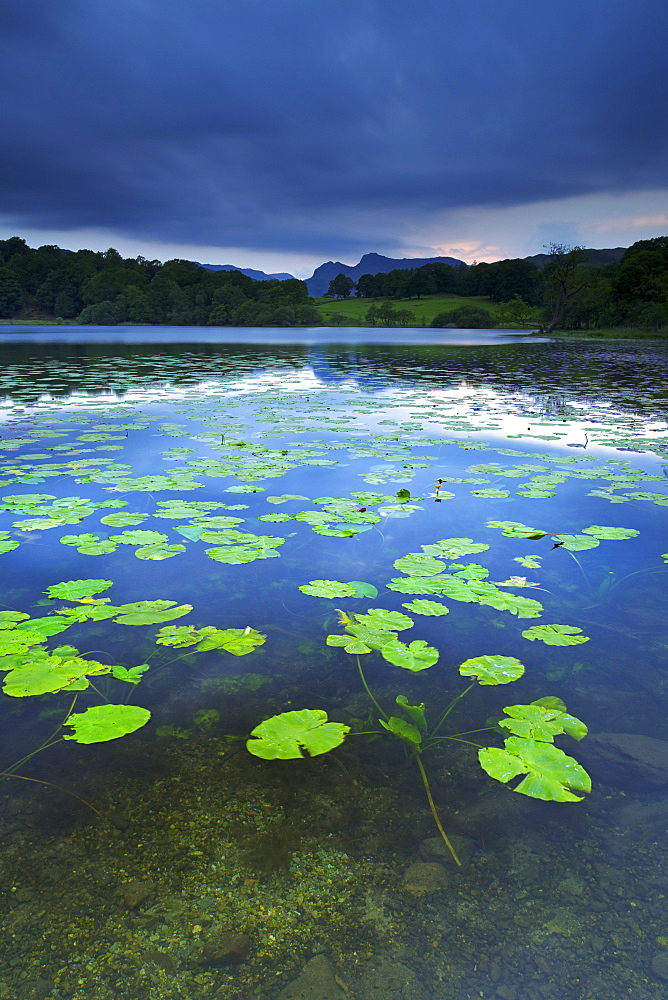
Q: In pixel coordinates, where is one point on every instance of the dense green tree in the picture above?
(396, 282)
(12, 295)
(371, 315)
(420, 282)
(565, 278)
(517, 311)
(445, 278)
(465, 318)
(340, 287)
(594, 304)
(102, 286)
(101, 314)
(11, 247)
(387, 314)
(642, 275)
(67, 303)
(367, 286)
(134, 306)
(505, 279)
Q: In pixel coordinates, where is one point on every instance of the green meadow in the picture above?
(351, 312)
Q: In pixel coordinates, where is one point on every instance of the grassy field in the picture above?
(351, 312)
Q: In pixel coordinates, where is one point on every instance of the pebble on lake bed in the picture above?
(425, 876)
(226, 948)
(136, 892)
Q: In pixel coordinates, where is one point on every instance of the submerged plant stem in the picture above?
(48, 742)
(368, 690)
(432, 806)
(50, 784)
(450, 707)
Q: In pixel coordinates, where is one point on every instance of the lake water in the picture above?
(500, 486)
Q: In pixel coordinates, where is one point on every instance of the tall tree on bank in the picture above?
(564, 279)
(341, 286)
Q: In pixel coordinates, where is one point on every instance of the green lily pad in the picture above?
(123, 520)
(89, 544)
(284, 497)
(556, 635)
(245, 488)
(224, 536)
(327, 588)
(454, 548)
(609, 534)
(156, 553)
(179, 636)
(219, 522)
(363, 589)
(101, 548)
(140, 537)
(74, 590)
(106, 722)
(542, 722)
(551, 774)
(50, 674)
(490, 493)
(576, 543)
(522, 607)
(77, 540)
(406, 731)
(13, 642)
(46, 627)
(417, 655)
(419, 564)
(514, 529)
(8, 619)
(238, 641)
(90, 612)
(416, 713)
(493, 669)
(131, 675)
(341, 532)
(240, 554)
(529, 562)
(379, 618)
(425, 585)
(430, 608)
(151, 612)
(351, 643)
(288, 735)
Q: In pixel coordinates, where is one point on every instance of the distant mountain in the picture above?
(371, 263)
(375, 263)
(595, 258)
(248, 271)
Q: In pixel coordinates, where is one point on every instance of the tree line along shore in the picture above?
(565, 295)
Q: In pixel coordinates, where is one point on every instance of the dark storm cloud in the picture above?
(302, 124)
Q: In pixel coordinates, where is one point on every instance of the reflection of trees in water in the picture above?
(549, 374)
(552, 406)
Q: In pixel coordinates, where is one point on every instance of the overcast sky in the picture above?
(281, 133)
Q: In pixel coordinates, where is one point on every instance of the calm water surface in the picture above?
(329, 456)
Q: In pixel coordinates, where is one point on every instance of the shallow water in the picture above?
(315, 856)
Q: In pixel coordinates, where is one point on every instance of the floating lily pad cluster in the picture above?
(528, 752)
(228, 444)
(31, 668)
